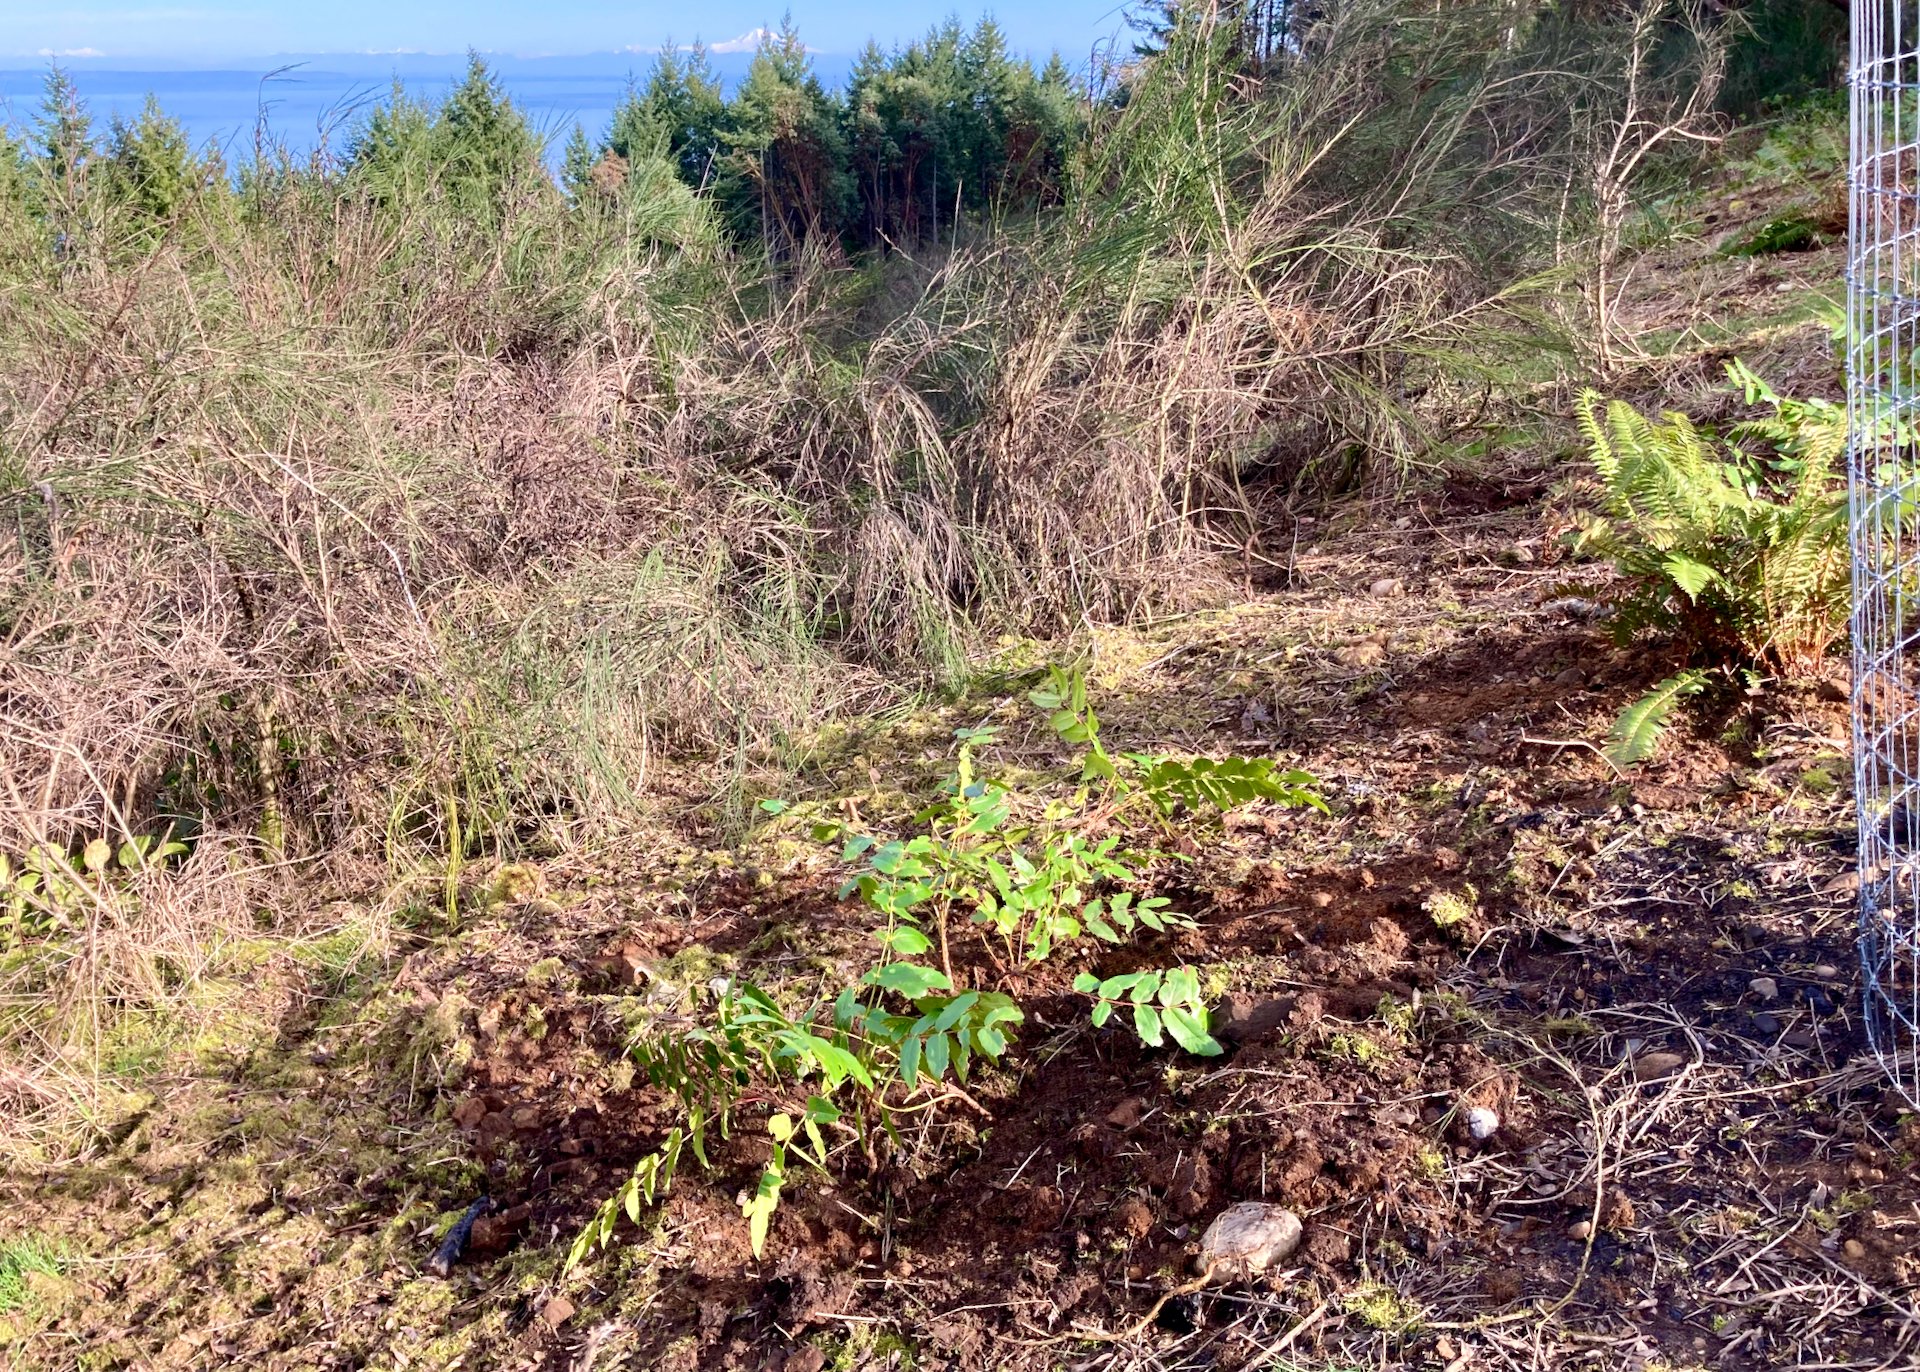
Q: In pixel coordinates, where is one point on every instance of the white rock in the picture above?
(1482, 1123)
(1247, 1238)
(1765, 987)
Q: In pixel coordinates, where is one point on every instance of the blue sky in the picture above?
(209, 32)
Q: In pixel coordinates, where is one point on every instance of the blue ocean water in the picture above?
(316, 101)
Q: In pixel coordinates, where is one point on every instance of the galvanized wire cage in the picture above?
(1883, 388)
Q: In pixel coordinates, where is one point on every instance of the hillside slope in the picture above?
(1647, 978)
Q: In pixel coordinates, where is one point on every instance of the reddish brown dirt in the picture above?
(1612, 918)
(1752, 1210)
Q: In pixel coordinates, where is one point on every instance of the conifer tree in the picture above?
(784, 176)
(63, 133)
(484, 146)
(151, 167)
(576, 167)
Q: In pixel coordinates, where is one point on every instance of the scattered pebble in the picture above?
(1766, 988)
(1248, 1238)
(1826, 969)
(1572, 679)
(556, 1312)
(1580, 1230)
(1654, 1066)
(1482, 1123)
(1855, 1249)
(1387, 586)
(1764, 1023)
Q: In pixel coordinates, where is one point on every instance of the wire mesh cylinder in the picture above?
(1883, 388)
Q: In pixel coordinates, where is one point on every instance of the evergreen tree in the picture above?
(1047, 119)
(1261, 30)
(473, 150)
(485, 146)
(784, 176)
(576, 167)
(393, 154)
(953, 123)
(63, 135)
(685, 106)
(635, 132)
(13, 170)
(872, 151)
(151, 167)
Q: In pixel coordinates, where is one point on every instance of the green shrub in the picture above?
(1739, 558)
(1794, 231)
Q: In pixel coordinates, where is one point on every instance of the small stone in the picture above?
(1580, 1230)
(1482, 1122)
(1654, 1066)
(526, 1117)
(1826, 969)
(1574, 607)
(806, 1358)
(1387, 586)
(469, 1112)
(1854, 1249)
(1520, 554)
(1766, 988)
(1127, 1113)
(1248, 1238)
(1321, 899)
(1571, 680)
(556, 1312)
(1763, 1023)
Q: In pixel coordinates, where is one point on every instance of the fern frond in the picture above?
(1637, 732)
(1744, 558)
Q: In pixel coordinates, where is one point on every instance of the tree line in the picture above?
(949, 128)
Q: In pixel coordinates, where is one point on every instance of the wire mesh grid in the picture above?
(1883, 389)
